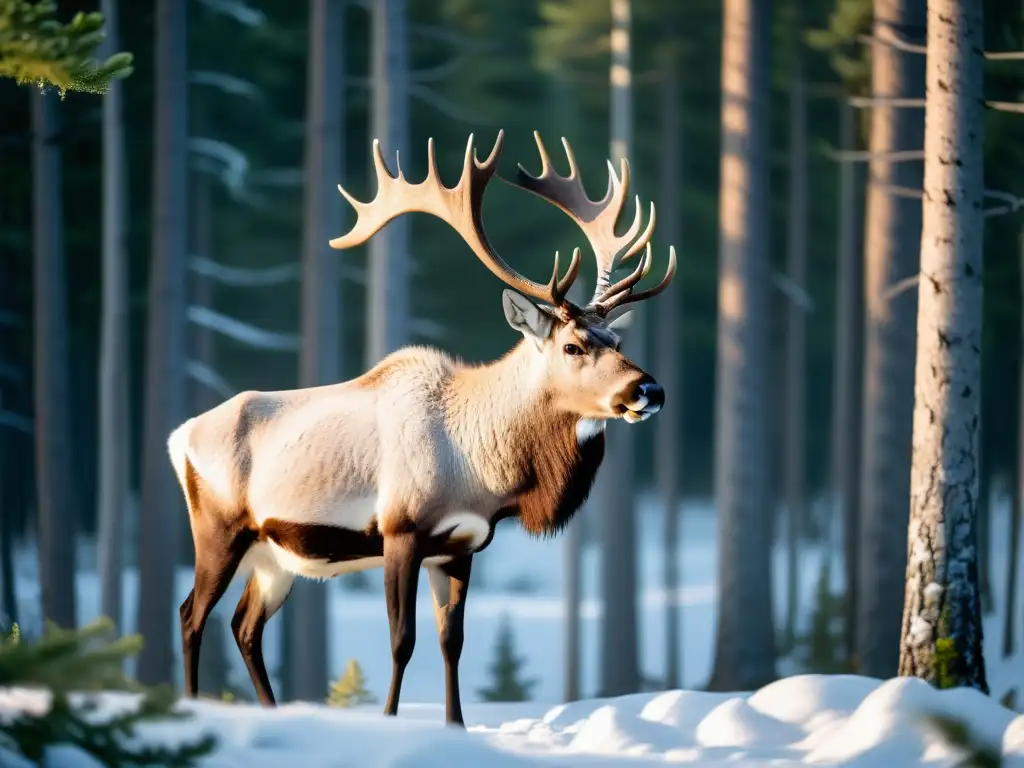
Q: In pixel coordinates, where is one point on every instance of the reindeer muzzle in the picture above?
(647, 399)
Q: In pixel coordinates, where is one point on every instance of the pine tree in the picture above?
(506, 684)
(349, 690)
(35, 48)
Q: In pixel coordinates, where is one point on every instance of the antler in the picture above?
(459, 206)
(597, 219)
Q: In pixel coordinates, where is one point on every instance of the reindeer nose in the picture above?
(648, 397)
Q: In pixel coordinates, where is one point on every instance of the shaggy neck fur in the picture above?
(532, 456)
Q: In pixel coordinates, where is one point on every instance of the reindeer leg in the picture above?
(402, 560)
(449, 584)
(251, 616)
(217, 559)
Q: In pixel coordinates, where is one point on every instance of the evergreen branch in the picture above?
(35, 48)
(208, 377)
(241, 277)
(243, 333)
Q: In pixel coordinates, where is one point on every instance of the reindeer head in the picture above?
(577, 347)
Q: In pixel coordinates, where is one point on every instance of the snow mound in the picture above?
(807, 719)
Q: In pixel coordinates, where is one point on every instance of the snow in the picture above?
(805, 719)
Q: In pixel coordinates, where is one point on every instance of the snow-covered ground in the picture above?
(809, 719)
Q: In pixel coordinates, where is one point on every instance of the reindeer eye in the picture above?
(572, 349)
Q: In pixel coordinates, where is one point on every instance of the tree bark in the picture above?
(615, 492)
(892, 247)
(387, 300)
(667, 429)
(320, 356)
(846, 372)
(942, 631)
(161, 500)
(55, 472)
(744, 640)
(114, 448)
(795, 448)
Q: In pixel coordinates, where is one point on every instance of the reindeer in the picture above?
(413, 463)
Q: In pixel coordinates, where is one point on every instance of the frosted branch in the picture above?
(885, 101)
(16, 422)
(209, 378)
(900, 45)
(243, 333)
(793, 292)
(901, 286)
(861, 156)
(237, 10)
(444, 106)
(242, 277)
(229, 84)
(235, 163)
(1006, 106)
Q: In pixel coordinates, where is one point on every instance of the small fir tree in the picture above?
(350, 690)
(506, 684)
(35, 48)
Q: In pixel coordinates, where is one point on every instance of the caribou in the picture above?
(412, 464)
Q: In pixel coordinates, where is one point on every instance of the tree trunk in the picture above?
(320, 356)
(668, 427)
(892, 247)
(161, 503)
(942, 631)
(846, 371)
(56, 507)
(744, 642)
(615, 492)
(387, 301)
(8, 596)
(795, 449)
(113, 383)
(1016, 498)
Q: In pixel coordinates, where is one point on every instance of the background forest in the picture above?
(477, 66)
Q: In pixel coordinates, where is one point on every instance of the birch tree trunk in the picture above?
(56, 507)
(892, 248)
(668, 427)
(846, 371)
(744, 640)
(794, 451)
(320, 356)
(161, 504)
(387, 300)
(620, 664)
(8, 597)
(942, 632)
(113, 383)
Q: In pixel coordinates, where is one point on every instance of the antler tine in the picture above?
(622, 292)
(460, 206)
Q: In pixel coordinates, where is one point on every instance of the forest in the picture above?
(163, 247)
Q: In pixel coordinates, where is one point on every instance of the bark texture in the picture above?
(113, 374)
(320, 355)
(387, 300)
(942, 633)
(161, 505)
(614, 491)
(892, 248)
(744, 641)
(55, 476)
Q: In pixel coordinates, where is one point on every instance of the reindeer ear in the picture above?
(525, 316)
(621, 322)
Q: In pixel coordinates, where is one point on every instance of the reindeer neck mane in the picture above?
(527, 449)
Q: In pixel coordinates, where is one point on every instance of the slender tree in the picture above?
(846, 371)
(744, 642)
(795, 448)
(387, 300)
(942, 631)
(165, 345)
(614, 491)
(56, 508)
(667, 429)
(320, 358)
(114, 448)
(892, 247)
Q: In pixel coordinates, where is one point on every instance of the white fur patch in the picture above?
(587, 429)
(352, 512)
(177, 447)
(464, 525)
(273, 583)
(319, 569)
